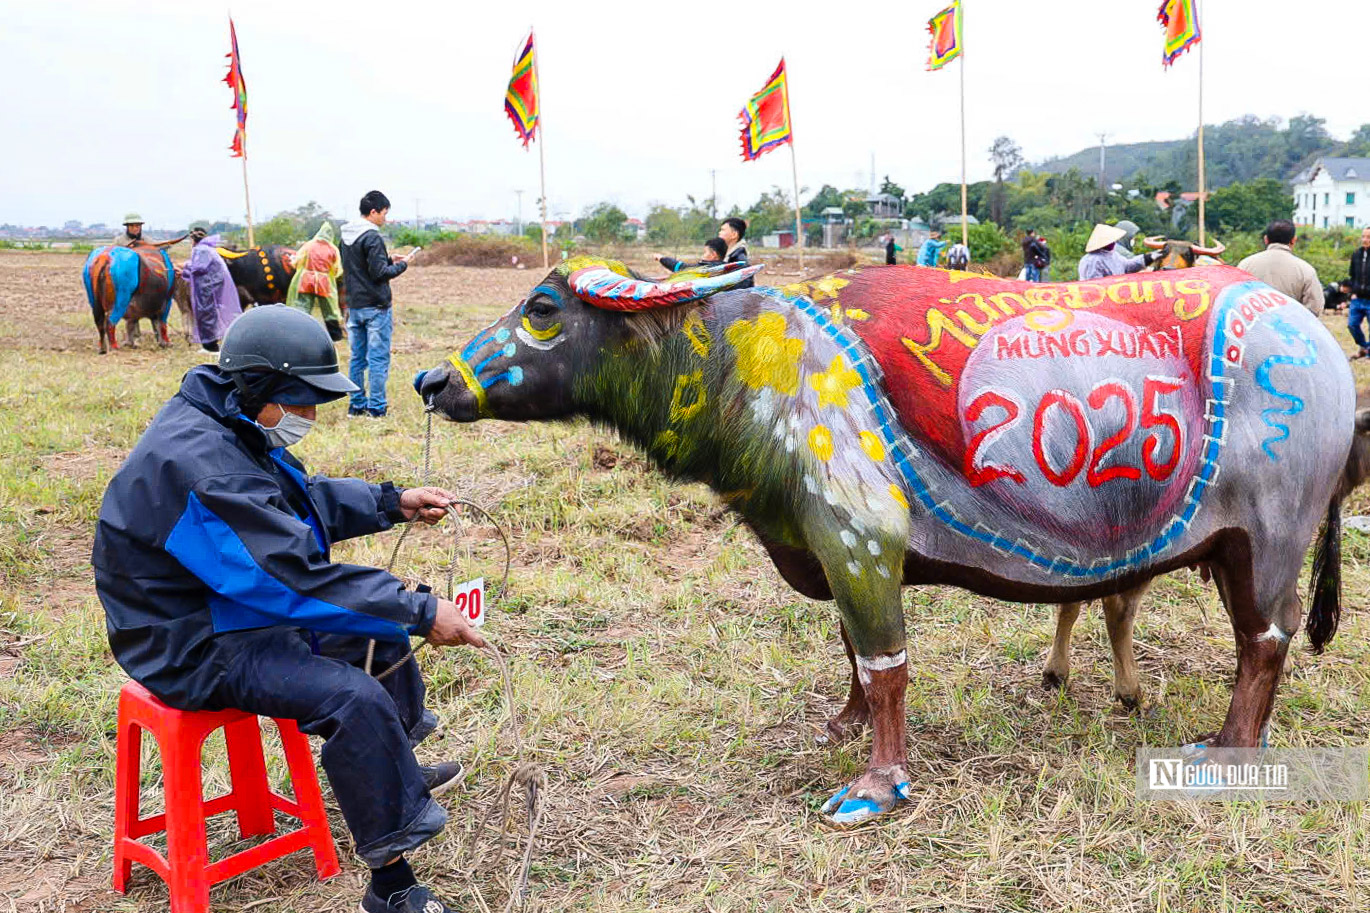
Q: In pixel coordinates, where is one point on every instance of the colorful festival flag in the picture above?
(1180, 19)
(945, 29)
(239, 87)
(766, 117)
(521, 100)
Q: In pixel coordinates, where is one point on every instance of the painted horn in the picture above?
(1210, 251)
(1155, 242)
(604, 288)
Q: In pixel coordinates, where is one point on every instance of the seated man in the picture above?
(714, 251)
(212, 561)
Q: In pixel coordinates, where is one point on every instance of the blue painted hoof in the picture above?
(841, 810)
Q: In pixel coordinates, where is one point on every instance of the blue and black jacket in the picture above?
(205, 531)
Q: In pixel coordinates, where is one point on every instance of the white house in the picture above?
(1333, 192)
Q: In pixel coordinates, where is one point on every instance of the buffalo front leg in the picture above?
(855, 716)
(1057, 670)
(864, 571)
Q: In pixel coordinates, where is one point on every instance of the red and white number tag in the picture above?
(470, 600)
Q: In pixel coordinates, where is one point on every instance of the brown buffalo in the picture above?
(129, 284)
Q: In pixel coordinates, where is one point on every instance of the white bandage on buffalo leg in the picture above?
(1273, 633)
(866, 665)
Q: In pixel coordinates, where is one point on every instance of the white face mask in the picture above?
(287, 432)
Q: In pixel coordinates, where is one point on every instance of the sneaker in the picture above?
(417, 899)
(355, 411)
(376, 413)
(441, 777)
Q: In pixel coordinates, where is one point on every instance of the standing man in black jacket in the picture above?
(1360, 293)
(367, 270)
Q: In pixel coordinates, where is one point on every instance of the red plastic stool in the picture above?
(180, 735)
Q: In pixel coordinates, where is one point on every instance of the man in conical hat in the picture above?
(1102, 258)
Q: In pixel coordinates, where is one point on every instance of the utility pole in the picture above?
(1103, 145)
(418, 222)
(713, 194)
(518, 219)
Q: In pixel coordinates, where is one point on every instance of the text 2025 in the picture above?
(1159, 424)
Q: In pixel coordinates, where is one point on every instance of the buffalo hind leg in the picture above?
(1120, 613)
(1057, 670)
(856, 715)
(1262, 633)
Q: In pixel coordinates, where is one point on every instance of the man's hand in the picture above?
(426, 504)
(451, 629)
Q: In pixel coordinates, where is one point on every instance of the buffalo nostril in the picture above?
(430, 384)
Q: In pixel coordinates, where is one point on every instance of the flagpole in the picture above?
(1202, 179)
(542, 158)
(965, 219)
(542, 178)
(794, 173)
(798, 219)
(247, 197)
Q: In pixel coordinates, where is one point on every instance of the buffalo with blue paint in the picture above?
(129, 284)
(1031, 442)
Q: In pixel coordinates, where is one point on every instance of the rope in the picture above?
(525, 774)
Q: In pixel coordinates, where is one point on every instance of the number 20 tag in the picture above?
(469, 598)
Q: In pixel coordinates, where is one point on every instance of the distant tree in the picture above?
(1248, 207)
(1307, 135)
(892, 188)
(1359, 144)
(604, 223)
(686, 224)
(827, 195)
(1007, 157)
(770, 212)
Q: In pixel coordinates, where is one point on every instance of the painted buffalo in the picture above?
(129, 284)
(1177, 254)
(1029, 442)
(262, 274)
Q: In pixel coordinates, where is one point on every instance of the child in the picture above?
(714, 251)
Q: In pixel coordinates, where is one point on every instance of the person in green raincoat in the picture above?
(318, 266)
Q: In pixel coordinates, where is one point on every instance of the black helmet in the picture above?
(281, 340)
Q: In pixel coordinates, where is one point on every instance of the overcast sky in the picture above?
(110, 107)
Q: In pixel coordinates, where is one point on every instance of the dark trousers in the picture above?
(1357, 314)
(368, 727)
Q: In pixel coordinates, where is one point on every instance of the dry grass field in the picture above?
(669, 683)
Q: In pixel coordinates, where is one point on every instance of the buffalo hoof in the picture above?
(844, 727)
(874, 793)
(1054, 681)
(1131, 702)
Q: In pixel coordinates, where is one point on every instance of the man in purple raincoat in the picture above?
(213, 296)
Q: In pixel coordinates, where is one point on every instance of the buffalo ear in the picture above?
(603, 288)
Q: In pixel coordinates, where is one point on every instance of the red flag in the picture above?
(239, 87)
(521, 99)
(1180, 19)
(766, 117)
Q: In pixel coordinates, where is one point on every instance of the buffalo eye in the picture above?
(541, 309)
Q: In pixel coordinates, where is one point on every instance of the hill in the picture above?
(1238, 150)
